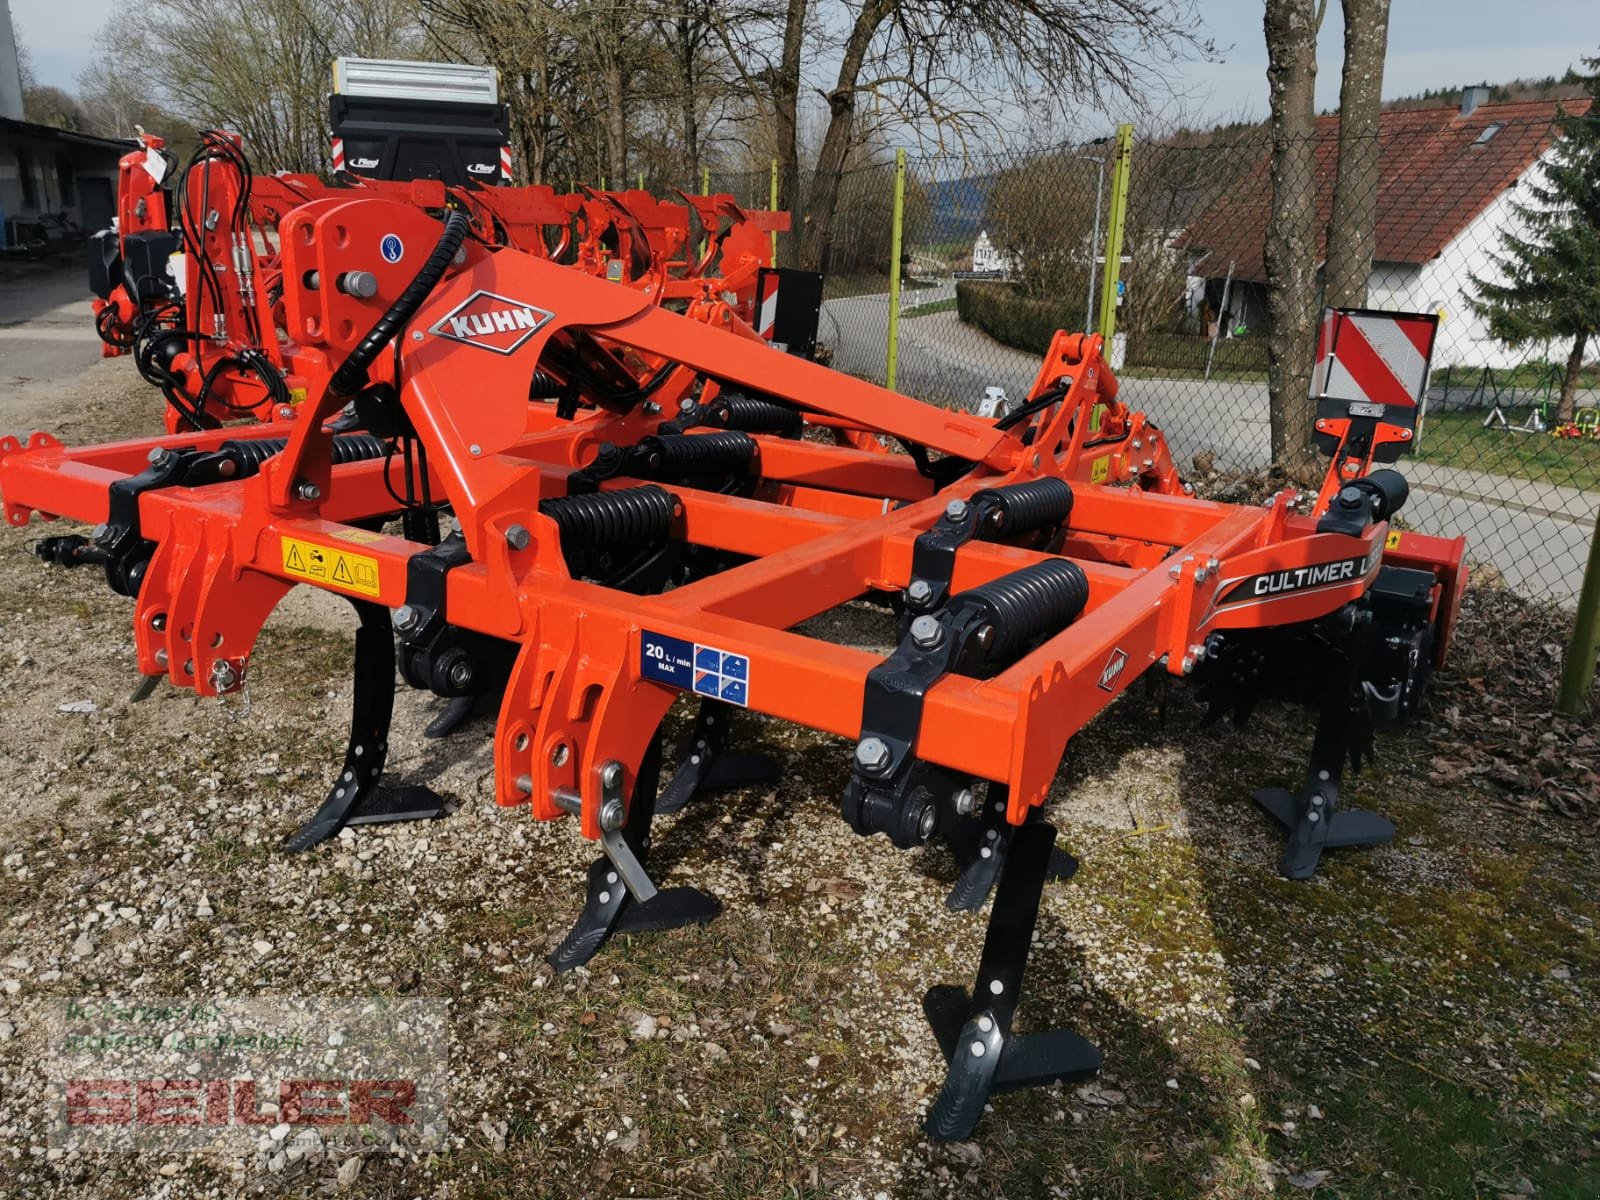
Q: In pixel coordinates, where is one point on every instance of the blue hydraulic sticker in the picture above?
(704, 670)
(392, 248)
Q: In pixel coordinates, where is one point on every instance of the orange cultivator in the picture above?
(674, 499)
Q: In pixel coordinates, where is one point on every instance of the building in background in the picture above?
(1448, 179)
(55, 185)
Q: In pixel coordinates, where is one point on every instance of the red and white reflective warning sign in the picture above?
(1369, 357)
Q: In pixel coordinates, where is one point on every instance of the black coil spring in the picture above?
(1038, 600)
(250, 453)
(753, 415)
(544, 386)
(1037, 504)
(674, 454)
(625, 517)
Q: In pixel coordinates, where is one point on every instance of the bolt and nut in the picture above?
(872, 754)
(956, 510)
(518, 537)
(920, 591)
(926, 821)
(404, 617)
(926, 632)
(612, 814)
(965, 802)
(460, 674)
(306, 490)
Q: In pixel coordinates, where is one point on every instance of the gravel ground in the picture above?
(1420, 1020)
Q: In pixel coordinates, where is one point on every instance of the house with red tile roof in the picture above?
(1447, 182)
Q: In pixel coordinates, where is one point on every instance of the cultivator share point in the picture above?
(651, 502)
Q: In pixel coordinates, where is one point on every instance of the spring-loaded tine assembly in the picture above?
(650, 502)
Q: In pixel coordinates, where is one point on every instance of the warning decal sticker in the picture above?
(1392, 542)
(704, 670)
(325, 565)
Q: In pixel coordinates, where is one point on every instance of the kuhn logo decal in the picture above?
(1271, 584)
(1112, 671)
(492, 322)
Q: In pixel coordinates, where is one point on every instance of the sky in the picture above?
(1432, 43)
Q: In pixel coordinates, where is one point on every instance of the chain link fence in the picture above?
(1000, 250)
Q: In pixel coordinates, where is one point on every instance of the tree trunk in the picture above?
(786, 126)
(616, 125)
(1569, 381)
(1352, 228)
(823, 197)
(1291, 246)
(689, 99)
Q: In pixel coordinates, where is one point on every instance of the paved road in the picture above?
(46, 334)
(1537, 538)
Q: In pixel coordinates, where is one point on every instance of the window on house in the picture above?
(30, 185)
(1488, 133)
(65, 180)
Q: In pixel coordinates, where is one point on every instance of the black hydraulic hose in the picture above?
(351, 376)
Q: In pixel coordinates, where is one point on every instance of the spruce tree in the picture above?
(1546, 281)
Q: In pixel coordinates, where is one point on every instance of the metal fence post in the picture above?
(1577, 674)
(896, 234)
(772, 203)
(1122, 158)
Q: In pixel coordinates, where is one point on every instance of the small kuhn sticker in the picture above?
(1112, 671)
(492, 322)
(1271, 584)
(392, 248)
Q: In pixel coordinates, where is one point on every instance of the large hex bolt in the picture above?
(927, 633)
(872, 754)
(956, 510)
(920, 591)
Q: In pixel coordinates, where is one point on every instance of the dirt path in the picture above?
(1420, 1020)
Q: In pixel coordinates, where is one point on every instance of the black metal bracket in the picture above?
(974, 1029)
(990, 515)
(358, 797)
(981, 845)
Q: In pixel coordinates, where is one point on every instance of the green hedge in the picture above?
(1014, 320)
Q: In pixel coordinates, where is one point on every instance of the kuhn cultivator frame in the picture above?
(219, 343)
(688, 498)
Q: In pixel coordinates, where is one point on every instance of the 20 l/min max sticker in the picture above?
(329, 567)
(704, 670)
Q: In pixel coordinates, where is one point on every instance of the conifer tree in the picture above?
(1545, 285)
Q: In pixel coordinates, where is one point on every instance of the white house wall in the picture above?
(1444, 285)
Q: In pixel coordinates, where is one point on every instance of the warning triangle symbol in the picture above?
(341, 573)
(294, 562)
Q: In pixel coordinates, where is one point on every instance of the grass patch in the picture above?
(937, 306)
(1458, 439)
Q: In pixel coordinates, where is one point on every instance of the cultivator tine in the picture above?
(974, 1030)
(703, 766)
(615, 905)
(358, 797)
(1313, 818)
(456, 713)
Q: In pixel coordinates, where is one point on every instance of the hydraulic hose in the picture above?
(351, 376)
